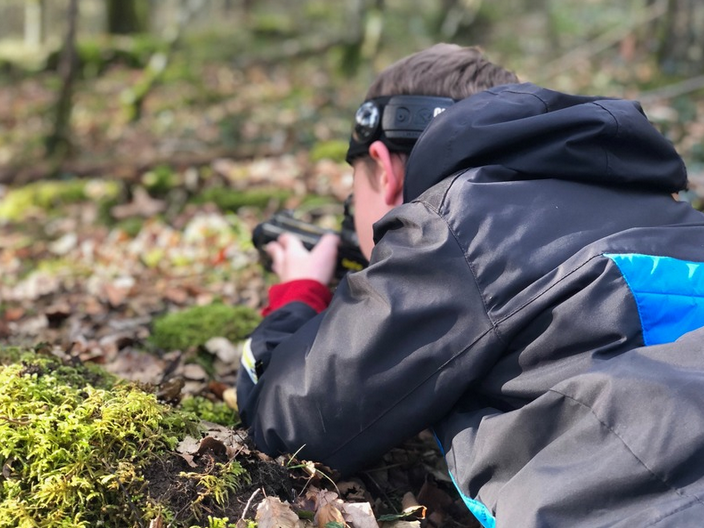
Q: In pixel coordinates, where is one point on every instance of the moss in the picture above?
(195, 326)
(160, 180)
(335, 150)
(75, 442)
(231, 200)
(49, 196)
(131, 226)
(226, 478)
(216, 412)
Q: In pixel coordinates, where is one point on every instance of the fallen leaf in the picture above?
(116, 295)
(328, 513)
(410, 506)
(272, 513)
(141, 205)
(170, 391)
(229, 396)
(223, 349)
(401, 524)
(359, 514)
(212, 444)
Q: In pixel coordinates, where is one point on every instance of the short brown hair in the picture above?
(444, 70)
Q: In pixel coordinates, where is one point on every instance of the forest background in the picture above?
(141, 141)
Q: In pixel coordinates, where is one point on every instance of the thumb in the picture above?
(327, 245)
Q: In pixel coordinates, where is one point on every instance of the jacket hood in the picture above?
(538, 133)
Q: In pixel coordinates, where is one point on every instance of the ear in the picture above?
(392, 170)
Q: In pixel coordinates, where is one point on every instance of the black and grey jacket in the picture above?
(524, 303)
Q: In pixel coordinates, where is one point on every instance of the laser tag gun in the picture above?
(349, 256)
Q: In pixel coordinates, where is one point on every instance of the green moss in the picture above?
(160, 180)
(225, 479)
(195, 326)
(216, 412)
(335, 150)
(49, 196)
(74, 443)
(131, 226)
(231, 200)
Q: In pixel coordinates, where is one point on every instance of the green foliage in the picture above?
(335, 150)
(195, 326)
(216, 412)
(131, 225)
(160, 180)
(224, 522)
(231, 200)
(19, 203)
(273, 24)
(74, 442)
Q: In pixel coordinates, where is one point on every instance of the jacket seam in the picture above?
(657, 477)
(615, 135)
(683, 507)
(494, 324)
(550, 287)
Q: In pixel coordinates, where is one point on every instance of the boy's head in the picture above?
(399, 104)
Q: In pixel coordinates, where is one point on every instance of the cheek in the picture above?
(364, 217)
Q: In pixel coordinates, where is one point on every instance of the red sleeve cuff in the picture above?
(311, 292)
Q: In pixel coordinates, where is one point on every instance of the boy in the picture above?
(533, 295)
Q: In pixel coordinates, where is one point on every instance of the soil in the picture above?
(407, 468)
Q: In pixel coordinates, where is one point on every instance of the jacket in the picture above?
(535, 301)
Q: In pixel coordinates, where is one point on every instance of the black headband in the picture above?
(397, 121)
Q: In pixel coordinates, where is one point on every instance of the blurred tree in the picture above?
(58, 144)
(34, 26)
(680, 40)
(455, 16)
(126, 16)
(367, 21)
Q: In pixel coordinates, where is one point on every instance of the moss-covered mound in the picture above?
(50, 196)
(195, 326)
(79, 449)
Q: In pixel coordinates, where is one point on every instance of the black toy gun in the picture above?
(349, 256)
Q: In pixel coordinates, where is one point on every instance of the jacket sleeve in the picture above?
(399, 344)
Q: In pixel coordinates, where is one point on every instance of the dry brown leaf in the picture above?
(401, 524)
(176, 295)
(410, 506)
(359, 515)
(116, 295)
(328, 513)
(212, 444)
(229, 396)
(322, 497)
(141, 205)
(272, 513)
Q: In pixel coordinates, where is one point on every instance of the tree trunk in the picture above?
(124, 17)
(680, 42)
(34, 23)
(58, 144)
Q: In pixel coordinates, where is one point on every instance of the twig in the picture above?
(673, 90)
(249, 503)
